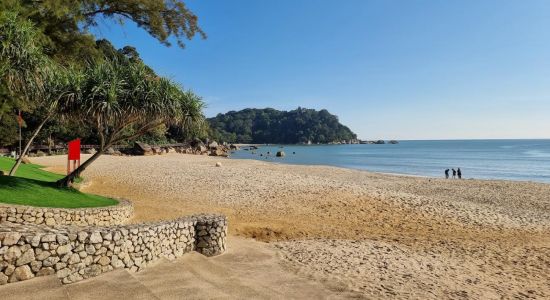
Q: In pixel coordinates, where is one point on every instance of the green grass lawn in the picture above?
(28, 171)
(36, 187)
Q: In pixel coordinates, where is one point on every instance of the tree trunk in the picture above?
(50, 142)
(27, 146)
(68, 180)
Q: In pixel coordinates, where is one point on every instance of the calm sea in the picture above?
(484, 159)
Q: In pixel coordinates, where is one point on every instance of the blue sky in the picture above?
(411, 69)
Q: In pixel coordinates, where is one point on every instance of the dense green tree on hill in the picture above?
(64, 23)
(127, 54)
(281, 127)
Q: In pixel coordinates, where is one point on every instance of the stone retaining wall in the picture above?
(96, 216)
(74, 254)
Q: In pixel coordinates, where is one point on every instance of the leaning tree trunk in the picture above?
(68, 180)
(28, 146)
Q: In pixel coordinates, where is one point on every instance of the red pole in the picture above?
(20, 121)
(68, 166)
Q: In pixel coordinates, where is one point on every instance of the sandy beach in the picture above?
(376, 234)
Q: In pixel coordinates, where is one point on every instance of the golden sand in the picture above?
(380, 235)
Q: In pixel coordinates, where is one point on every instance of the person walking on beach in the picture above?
(447, 174)
(454, 173)
(459, 173)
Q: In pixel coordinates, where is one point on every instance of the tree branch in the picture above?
(141, 131)
(111, 11)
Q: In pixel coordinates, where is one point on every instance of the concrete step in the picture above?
(224, 279)
(46, 287)
(170, 280)
(260, 267)
(248, 270)
(118, 284)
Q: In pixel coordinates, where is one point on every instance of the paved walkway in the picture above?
(249, 270)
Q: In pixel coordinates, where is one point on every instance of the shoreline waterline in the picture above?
(515, 160)
(393, 174)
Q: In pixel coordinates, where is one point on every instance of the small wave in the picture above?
(537, 153)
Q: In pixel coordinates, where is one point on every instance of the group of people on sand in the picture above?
(456, 173)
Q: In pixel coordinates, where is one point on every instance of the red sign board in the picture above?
(74, 150)
(74, 155)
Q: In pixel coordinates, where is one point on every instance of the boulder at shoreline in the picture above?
(142, 149)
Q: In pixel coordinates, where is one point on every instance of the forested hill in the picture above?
(272, 126)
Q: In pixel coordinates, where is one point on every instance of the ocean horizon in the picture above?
(499, 159)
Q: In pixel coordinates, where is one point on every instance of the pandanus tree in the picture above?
(21, 59)
(122, 101)
(30, 80)
(193, 123)
(60, 86)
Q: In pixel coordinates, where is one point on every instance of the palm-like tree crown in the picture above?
(21, 57)
(123, 100)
